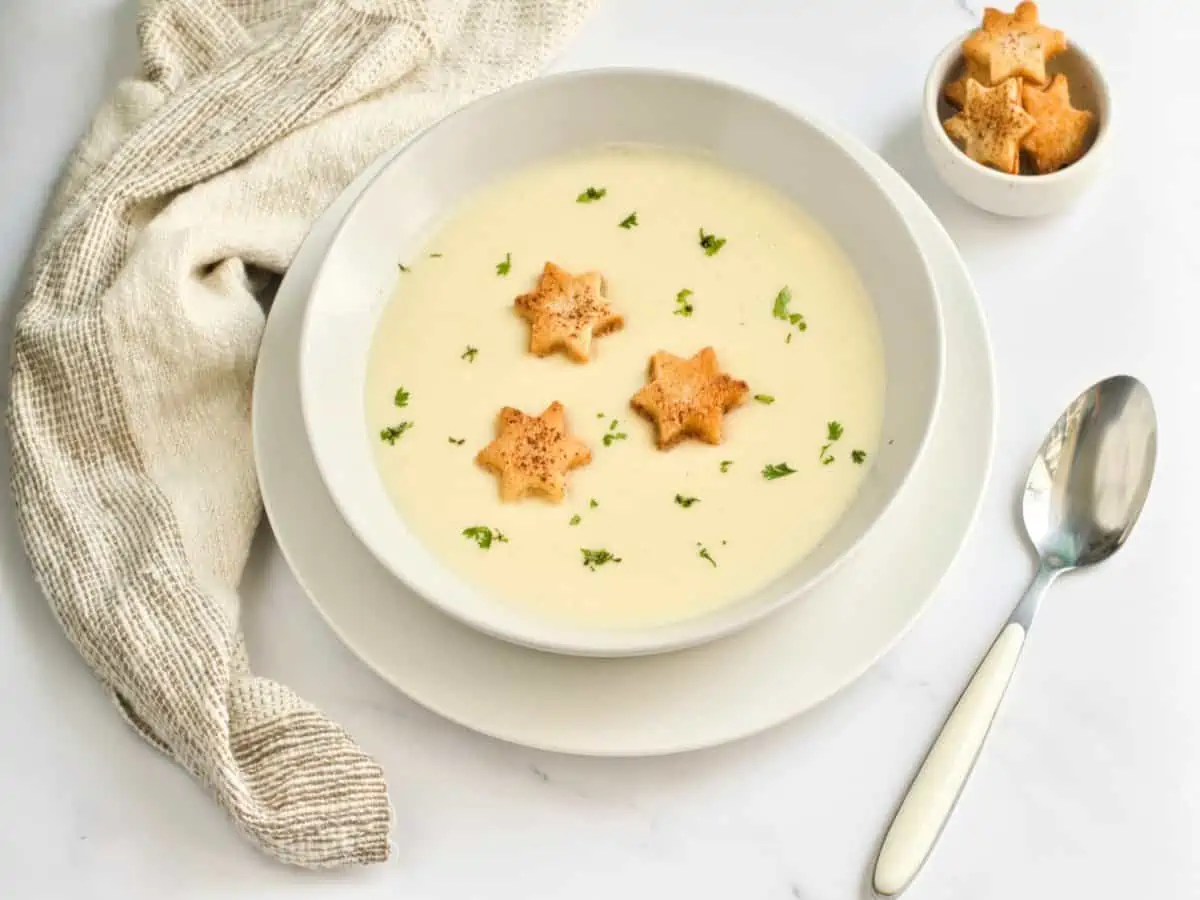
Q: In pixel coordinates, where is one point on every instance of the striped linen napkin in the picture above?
(134, 354)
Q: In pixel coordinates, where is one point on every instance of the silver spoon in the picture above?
(1084, 494)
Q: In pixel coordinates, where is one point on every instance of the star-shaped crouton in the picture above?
(565, 312)
(956, 91)
(532, 454)
(688, 397)
(1014, 46)
(991, 125)
(1060, 133)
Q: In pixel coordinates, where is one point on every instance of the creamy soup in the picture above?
(695, 526)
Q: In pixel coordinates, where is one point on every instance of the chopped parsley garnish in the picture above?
(628, 222)
(682, 306)
(613, 434)
(599, 415)
(503, 268)
(780, 310)
(725, 464)
(483, 536)
(392, 433)
(711, 243)
(771, 471)
(470, 353)
(788, 339)
(402, 267)
(576, 519)
(704, 554)
(858, 457)
(782, 299)
(686, 502)
(833, 432)
(765, 399)
(435, 256)
(458, 442)
(401, 398)
(593, 558)
(591, 195)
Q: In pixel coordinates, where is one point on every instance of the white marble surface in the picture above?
(1089, 788)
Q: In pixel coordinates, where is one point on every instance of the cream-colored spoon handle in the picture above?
(933, 793)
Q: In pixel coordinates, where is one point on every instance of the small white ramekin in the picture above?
(999, 192)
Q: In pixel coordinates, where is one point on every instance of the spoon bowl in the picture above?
(1092, 474)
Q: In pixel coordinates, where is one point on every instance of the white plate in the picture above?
(557, 116)
(667, 703)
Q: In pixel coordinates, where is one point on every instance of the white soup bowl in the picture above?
(493, 137)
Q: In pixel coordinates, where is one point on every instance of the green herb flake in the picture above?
(780, 311)
(435, 256)
(682, 306)
(591, 195)
(858, 457)
(704, 554)
(686, 502)
(771, 471)
(575, 519)
(594, 558)
(613, 434)
(392, 433)
(725, 464)
(710, 243)
(765, 399)
(458, 442)
(470, 353)
(833, 432)
(503, 268)
(593, 503)
(630, 221)
(402, 267)
(484, 536)
(782, 299)
(600, 415)
(401, 398)
(788, 339)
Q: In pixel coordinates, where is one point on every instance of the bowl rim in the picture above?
(674, 635)
(935, 80)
